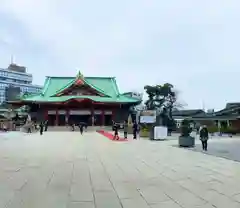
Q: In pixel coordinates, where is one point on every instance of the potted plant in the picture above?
(185, 140)
(144, 131)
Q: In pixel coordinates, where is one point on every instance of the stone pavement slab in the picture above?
(65, 169)
(81, 205)
(227, 148)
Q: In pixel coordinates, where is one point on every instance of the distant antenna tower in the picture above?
(12, 59)
(203, 105)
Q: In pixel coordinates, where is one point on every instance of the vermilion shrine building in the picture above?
(94, 100)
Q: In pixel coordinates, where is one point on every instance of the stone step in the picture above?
(68, 128)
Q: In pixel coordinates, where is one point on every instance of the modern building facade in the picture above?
(15, 80)
(66, 100)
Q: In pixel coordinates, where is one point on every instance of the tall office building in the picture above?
(14, 80)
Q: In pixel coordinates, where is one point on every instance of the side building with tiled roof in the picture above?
(227, 117)
(94, 100)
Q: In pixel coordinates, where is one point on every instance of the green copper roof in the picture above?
(85, 80)
(120, 99)
(105, 85)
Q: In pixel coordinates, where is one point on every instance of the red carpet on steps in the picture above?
(110, 136)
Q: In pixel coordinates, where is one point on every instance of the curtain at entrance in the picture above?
(61, 120)
(108, 120)
(98, 120)
(76, 119)
(51, 120)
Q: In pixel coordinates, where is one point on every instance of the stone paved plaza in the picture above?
(227, 148)
(66, 170)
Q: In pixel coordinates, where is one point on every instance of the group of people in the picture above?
(43, 126)
(116, 128)
(81, 126)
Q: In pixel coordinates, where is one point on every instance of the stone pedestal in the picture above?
(187, 141)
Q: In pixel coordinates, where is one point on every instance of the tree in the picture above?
(160, 96)
(163, 98)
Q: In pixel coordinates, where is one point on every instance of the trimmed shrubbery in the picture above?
(185, 128)
(145, 130)
(224, 130)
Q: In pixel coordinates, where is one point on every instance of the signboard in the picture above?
(80, 112)
(108, 112)
(97, 112)
(148, 116)
(160, 132)
(61, 112)
(53, 112)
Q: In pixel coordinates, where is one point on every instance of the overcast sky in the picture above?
(193, 44)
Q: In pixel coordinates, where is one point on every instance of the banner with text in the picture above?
(148, 116)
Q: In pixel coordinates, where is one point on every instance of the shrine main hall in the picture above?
(93, 100)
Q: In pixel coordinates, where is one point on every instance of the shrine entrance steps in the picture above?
(89, 128)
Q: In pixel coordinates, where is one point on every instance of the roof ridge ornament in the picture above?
(79, 80)
(80, 75)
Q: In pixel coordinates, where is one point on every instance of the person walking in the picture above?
(135, 130)
(81, 126)
(204, 137)
(41, 127)
(125, 129)
(46, 125)
(115, 128)
(29, 128)
(35, 126)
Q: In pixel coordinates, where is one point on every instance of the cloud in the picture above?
(148, 41)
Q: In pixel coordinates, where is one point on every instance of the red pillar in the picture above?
(56, 122)
(103, 117)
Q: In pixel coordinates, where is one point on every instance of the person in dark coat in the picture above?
(81, 126)
(46, 125)
(115, 129)
(41, 127)
(29, 130)
(204, 137)
(135, 130)
(125, 129)
(35, 125)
